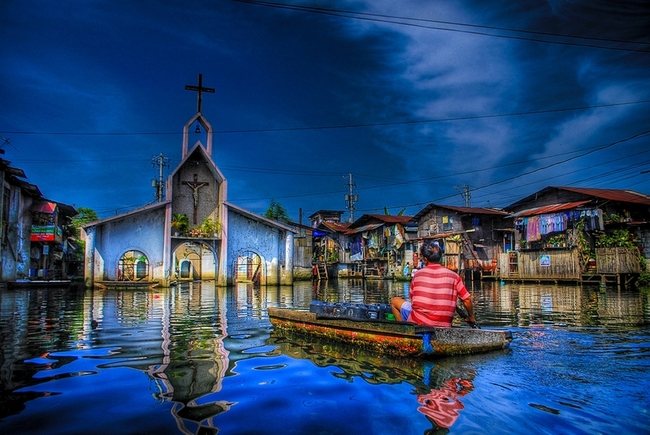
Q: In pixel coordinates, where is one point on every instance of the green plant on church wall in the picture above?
(208, 228)
(180, 223)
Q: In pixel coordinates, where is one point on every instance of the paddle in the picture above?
(463, 315)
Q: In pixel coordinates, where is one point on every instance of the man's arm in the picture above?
(470, 311)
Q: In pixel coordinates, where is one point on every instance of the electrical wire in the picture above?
(392, 19)
(504, 180)
(337, 126)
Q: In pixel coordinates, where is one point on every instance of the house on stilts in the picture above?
(579, 235)
(473, 237)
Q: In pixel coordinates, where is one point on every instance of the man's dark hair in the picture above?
(431, 251)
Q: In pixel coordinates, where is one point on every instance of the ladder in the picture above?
(322, 270)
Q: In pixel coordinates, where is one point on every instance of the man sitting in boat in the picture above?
(433, 293)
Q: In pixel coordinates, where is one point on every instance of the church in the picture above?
(194, 233)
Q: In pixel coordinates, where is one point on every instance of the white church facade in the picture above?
(219, 240)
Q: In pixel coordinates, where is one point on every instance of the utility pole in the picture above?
(467, 195)
(161, 161)
(5, 141)
(351, 198)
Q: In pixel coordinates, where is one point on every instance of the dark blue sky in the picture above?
(415, 99)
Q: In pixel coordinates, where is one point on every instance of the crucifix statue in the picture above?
(200, 88)
(195, 185)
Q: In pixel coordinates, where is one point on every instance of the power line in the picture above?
(337, 126)
(627, 139)
(491, 195)
(413, 181)
(453, 23)
(391, 19)
(433, 120)
(582, 153)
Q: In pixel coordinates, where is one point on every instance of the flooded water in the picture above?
(200, 359)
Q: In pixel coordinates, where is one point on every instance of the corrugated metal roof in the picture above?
(335, 226)
(363, 228)
(474, 210)
(547, 209)
(128, 213)
(461, 210)
(612, 194)
(383, 218)
(616, 195)
(391, 219)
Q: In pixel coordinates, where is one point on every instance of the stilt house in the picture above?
(473, 237)
(578, 234)
(379, 245)
(35, 233)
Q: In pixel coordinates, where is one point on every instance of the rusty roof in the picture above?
(383, 218)
(363, 228)
(337, 227)
(616, 195)
(462, 210)
(548, 209)
(612, 194)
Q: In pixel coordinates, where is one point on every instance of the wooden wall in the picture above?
(560, 264)
(617, 260)
(564, 264)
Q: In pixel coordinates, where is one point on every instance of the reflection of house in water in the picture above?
(575, 306)
(194, 233)
(549, 304)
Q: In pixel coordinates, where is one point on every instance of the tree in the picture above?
(76, 245)
(277, 212)
(399, 213)
(85, 215)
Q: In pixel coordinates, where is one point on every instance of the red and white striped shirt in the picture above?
(434, 290)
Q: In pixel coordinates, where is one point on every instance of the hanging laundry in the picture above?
(533, 231)
(399, 237)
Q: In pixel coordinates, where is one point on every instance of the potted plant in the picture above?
(210, 227)
(180, 223)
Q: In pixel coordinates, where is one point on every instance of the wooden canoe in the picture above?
(392, 338)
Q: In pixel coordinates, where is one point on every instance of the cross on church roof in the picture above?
(200, 88)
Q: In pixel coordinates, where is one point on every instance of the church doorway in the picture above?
(249, 268)
(133, 266)
(194, 261)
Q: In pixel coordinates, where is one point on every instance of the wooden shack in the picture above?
(473, 237)
(378, 245)
(577, 234)
(329, 242)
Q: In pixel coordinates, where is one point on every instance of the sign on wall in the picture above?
(46, 233)
(545, 260)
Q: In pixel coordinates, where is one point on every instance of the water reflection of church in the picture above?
(196, 356)
(194, 233)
